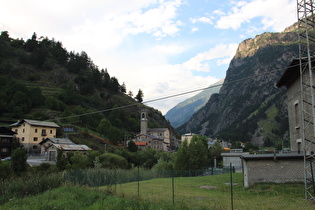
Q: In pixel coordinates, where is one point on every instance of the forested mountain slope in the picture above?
(249, 107)
(41, 80)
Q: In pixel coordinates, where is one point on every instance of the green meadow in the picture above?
(203, 192)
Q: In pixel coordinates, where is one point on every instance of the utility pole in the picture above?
(306, 23)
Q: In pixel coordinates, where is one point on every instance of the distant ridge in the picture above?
(183, 111)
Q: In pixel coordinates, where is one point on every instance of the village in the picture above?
(40, 138)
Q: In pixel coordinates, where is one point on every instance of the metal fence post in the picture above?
(173, 190)
(138, 181)
(231, 182)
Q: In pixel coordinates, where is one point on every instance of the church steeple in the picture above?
(144, 121)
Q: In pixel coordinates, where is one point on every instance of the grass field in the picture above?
(206, 192)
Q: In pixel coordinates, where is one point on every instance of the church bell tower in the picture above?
(144, 121)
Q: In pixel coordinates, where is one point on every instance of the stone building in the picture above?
(156, 138)
(291, 80)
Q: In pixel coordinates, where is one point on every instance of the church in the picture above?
(155, 138)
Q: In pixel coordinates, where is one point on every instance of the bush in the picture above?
(110, 160)
(6, 170)
(28, 185)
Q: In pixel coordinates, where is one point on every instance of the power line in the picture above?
(171, 96)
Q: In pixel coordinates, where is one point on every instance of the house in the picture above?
(291, 80)
(7, 138)
(31, 132)
(53, 149)
(156, 138)
(286, 167)
(275, 168)
(187, 137)
(144, 141)
(45, 143)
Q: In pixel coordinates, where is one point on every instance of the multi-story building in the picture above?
(156, 138)
(31, 132)
(6, 142)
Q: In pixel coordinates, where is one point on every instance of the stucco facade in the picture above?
(31, 132)
(187, 137)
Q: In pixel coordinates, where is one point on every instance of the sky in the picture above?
(163, 47)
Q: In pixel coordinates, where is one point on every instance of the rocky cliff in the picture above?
(183, 111)
(249, 107)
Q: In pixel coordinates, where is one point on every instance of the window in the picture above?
(16, 130)
(44, 132)
(35, 130)
(23, 130)
(22, 138)
(35, 139)
(296, 114)
(50, 131)
(4, 150)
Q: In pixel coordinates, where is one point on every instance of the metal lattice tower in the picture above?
(306, 24)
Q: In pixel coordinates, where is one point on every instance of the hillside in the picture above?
(183, 111)
(249, 107)
(41, 80)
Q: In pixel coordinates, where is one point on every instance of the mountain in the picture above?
(183, 111)
(249, 107)
(41, 80)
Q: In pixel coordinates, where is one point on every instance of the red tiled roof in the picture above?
(141, 143)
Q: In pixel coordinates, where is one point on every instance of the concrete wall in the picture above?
(233, 158)
(295, 113)
(275, 171)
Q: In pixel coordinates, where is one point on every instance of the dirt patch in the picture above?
(230, 183)
(208, 187)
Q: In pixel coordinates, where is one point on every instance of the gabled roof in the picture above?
(74, 147)
(292, 73)
(157, 129)
(57, 141)
(36, 123)
(6, 131)
(150, 136)
(141, 143)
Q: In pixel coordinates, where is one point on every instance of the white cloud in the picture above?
(221, 51)
(202, 20)
(274, 14)
(169, 49)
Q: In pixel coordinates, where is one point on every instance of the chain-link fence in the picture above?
(212, 188)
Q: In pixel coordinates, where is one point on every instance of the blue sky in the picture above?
(162, 47)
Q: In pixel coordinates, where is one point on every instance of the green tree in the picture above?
(183, 157)
(132, 147)
(6, 170)
(139, 96)
(215, 152)
(104, 127)
(198, 153)
(147, 158)
(19, 158)
(92, 155)
(112, 161)
(123, 88)
(79, 160)
(61, 163)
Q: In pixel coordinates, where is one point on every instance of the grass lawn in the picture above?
(207, 192)
(214, 192)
